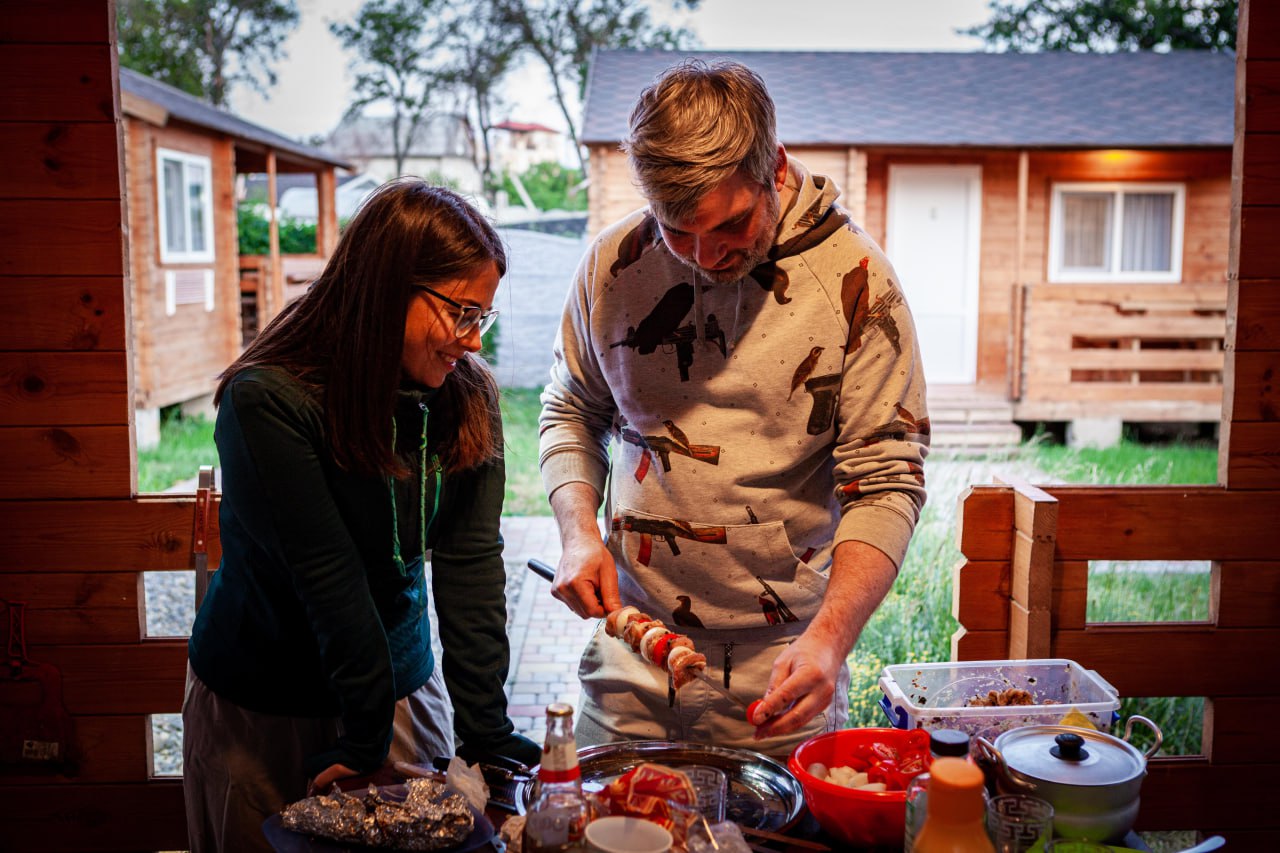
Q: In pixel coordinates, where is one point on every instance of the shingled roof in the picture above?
(179, 105)
(1080, 100)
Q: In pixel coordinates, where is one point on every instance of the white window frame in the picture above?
(1114, 274)
(167, 255)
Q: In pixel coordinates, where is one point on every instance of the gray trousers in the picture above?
(625, 698)
(240, 767)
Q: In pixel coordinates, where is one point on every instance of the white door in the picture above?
(932, 238)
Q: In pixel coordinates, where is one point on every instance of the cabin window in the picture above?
(1116, 233)
(186, 207)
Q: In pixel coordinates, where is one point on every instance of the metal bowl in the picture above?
(762, 792)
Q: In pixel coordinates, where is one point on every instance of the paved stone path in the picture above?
(530, 298)
(546, 637)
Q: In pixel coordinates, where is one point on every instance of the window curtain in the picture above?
(1086, 231)
(1147, 242)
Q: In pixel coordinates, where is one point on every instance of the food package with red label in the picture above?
(655, 793)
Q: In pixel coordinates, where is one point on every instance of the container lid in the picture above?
(955, 791)
(1070, 755)
(949, 742)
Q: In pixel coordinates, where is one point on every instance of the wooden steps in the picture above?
(965, 417)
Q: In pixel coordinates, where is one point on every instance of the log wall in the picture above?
(74, 537)
(176, 357)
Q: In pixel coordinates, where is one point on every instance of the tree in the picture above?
(205, 46)
(484, 50)
(1108, 25)
(562, 34)
(395, 42)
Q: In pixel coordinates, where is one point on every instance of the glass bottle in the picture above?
(955, 817)
(942, 742)
(559, 814)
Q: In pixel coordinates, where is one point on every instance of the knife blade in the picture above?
(715, 685)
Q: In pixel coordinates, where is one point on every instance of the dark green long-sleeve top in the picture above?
(309, 614)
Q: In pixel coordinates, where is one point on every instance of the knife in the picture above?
(544, 570)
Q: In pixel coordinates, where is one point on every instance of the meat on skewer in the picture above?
(648, 637)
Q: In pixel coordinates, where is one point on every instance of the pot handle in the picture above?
(986, 754)
(1138, 718)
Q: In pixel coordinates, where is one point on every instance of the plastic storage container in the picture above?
(934, 695)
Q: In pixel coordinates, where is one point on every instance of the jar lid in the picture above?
(1070, 755)
(949, 742)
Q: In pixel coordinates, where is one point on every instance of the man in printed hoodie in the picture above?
(749, 348)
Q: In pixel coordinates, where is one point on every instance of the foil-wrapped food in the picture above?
(427, 819)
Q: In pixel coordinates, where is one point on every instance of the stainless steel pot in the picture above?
(1091, 778)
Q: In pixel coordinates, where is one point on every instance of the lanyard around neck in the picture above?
(437, 478)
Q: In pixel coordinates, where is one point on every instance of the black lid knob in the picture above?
(950, 742)
(1070, 747)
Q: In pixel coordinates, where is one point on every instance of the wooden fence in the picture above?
(1021, 592)
(1131, 352)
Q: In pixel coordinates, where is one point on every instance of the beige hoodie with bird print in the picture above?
(758, 423)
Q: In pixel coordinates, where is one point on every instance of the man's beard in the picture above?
(749, 258)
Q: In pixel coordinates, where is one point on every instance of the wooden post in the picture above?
(1250, 429)
(326, 213)
(271, 295)
(1035, 530)
(855, 185)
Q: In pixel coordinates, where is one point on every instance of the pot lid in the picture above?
(1071, 756)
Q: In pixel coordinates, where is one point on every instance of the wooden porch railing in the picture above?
(1021, 591)
(1131, 352)
(263, 294)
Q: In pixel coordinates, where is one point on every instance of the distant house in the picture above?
(1060, 221)
(181, 160)
(442, 147)
(517, 145)
(296, 195)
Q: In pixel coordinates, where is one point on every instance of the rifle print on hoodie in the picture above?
(661, 328)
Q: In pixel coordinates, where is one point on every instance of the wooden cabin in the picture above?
(1059, 221)
(193, 296)
(75, 536)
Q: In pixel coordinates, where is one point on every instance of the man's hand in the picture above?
(326, 777)
(801, 685)
(804, 676)
(586, 578)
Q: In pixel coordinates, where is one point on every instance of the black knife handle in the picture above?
(542, 569)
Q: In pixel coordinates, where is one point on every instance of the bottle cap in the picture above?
(955, 791)
(949, 742)
(559, 709)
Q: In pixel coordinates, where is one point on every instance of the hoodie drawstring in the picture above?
(424, 525)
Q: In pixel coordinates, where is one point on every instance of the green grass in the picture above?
(525, 496)
(185, 445)
(1128, 462)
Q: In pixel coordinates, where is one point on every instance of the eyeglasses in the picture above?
(469, 317)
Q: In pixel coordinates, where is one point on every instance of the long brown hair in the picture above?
(345, 336)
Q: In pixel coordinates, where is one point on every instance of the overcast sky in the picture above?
(313, 89)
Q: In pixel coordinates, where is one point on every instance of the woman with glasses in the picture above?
(356, 433)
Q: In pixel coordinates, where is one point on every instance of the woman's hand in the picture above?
(326, 777)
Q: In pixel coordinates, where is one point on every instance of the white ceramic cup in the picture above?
(622, 834)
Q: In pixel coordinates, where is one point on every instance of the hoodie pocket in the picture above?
(695, 575)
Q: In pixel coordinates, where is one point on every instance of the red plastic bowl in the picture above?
(860, 818)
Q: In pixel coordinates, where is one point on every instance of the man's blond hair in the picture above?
(694, 126)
